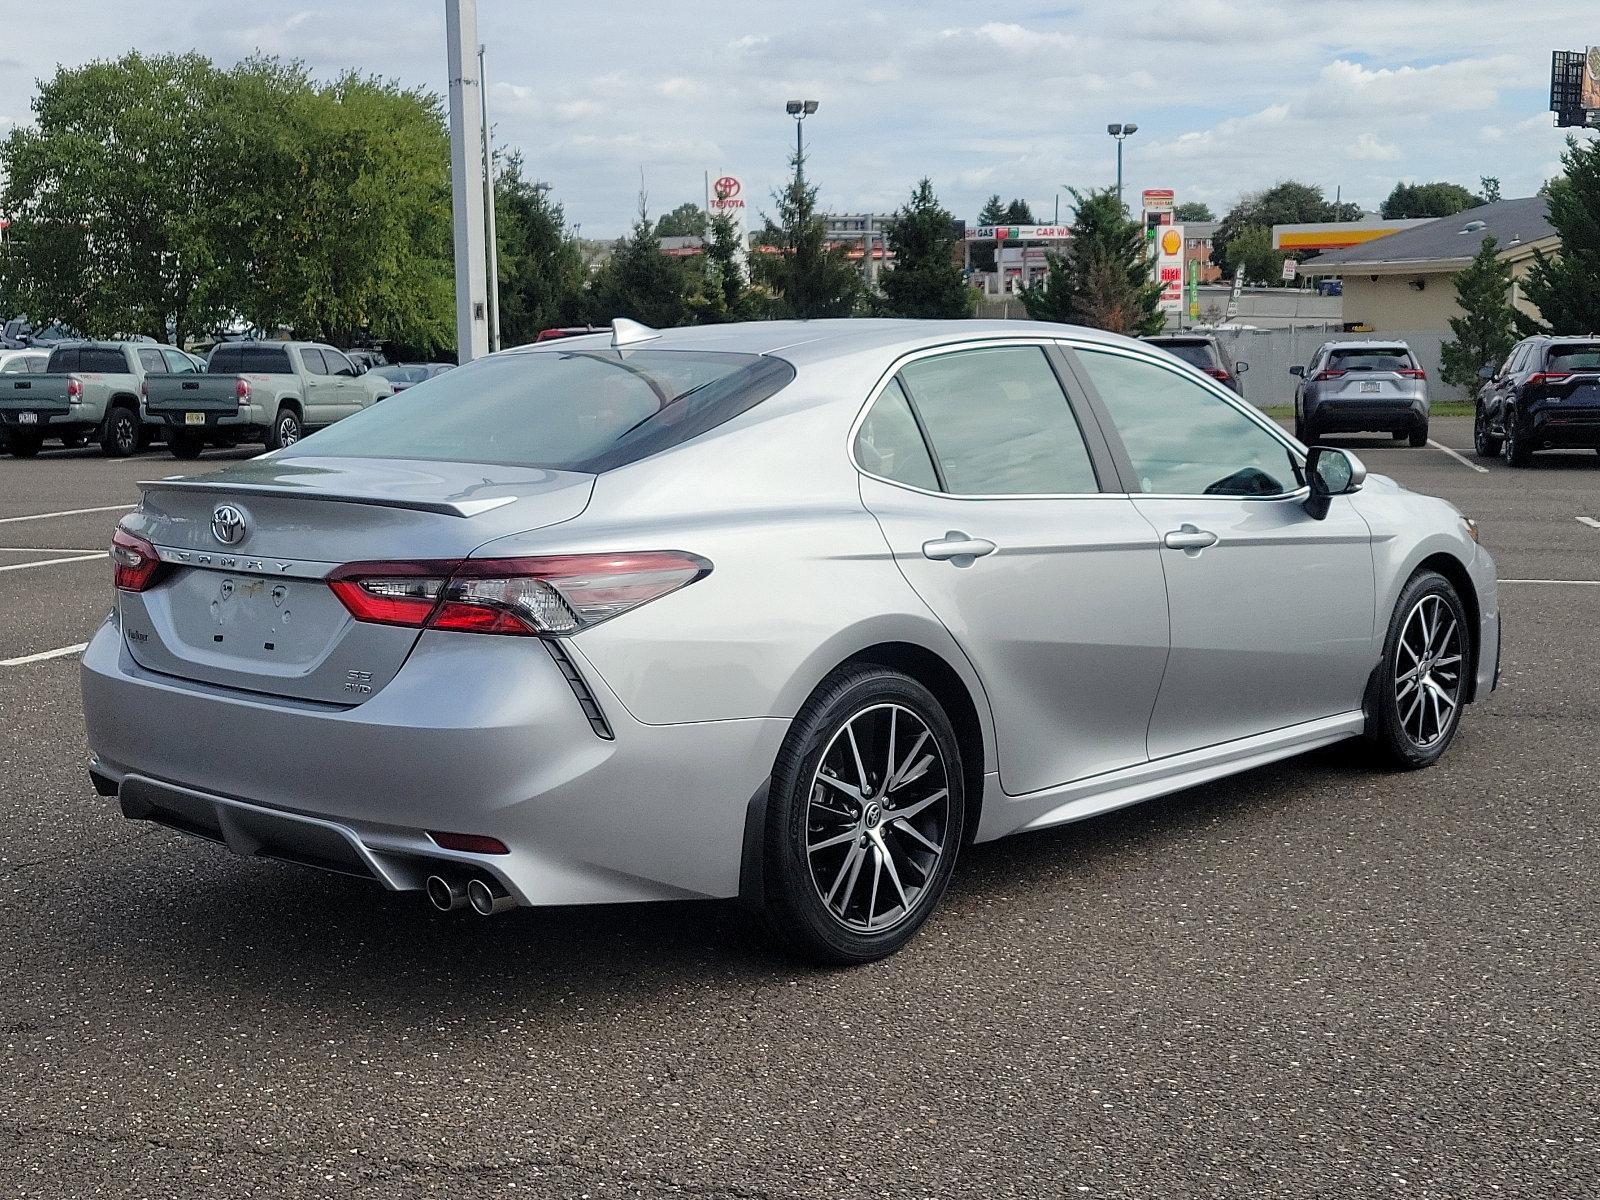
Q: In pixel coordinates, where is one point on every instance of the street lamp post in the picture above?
(1121, 133)
(493, 280)
(799, 110)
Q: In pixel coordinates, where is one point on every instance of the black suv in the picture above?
(1204, 353)
(1546, 396)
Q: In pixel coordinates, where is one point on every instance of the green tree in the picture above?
(542, 272)
(1253, 248)
(687, 220)
(1018, 213)
(641, 283)
(115, 194)
(1285, 203)
(1103, 277)
(726, 271)
(1411, 200)
(1486, 329)
(925, 280)
(1563, 287)
(809, 278)
(1193, 210)
(1490, 186)
(993, 211)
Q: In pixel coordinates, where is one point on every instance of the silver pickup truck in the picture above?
(87, 390)
(271, 392)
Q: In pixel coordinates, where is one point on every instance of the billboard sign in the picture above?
(1169, 269)
(727, 200)
(1158, 199)
(1017, 233)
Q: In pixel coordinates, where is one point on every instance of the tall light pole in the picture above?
(799, 110)
(1122, 133)
(488, 208)
(466, 180)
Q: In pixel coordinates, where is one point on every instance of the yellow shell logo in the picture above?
(1171, 242)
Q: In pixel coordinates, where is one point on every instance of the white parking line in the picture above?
(63, 652)
(1568, 582)
(50, 562)
(66, 512)
(48, 550)
(1590, 522)
(1463, 461)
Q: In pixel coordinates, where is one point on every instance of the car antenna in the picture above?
(628, 333)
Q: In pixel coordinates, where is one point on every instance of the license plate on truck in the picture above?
(27, 418)
(194, 418)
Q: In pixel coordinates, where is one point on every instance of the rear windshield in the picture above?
(401, 374)
(1196, 354)
(1575, 358)
(259, 360)
(88, 358)
(1372, 358)
(582, 410)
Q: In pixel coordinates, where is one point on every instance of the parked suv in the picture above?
(1362, 387)
(1205, 353)
(1546, 396)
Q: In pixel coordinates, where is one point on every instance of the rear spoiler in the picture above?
(449, 508)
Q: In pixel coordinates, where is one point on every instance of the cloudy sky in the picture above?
(1229, 95)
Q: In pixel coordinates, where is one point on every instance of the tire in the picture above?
(185, 445)
(119, 433)
(1419, 435)
(286, 429)
(1484, 443)
(24, 445)
(1514, 451)
(1407, 723)
(837, 861)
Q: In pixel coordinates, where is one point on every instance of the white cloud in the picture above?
(1368, 147)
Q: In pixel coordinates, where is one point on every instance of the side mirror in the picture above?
(1298, 372)
(1241, 367)
(1330, 473)
(1486, 373)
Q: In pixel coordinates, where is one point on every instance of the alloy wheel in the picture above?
(1428, 670)
(288, 431)
(877, 817)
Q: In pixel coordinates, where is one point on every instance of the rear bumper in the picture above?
(1565, 428)
(1362, 416)
(475, 735)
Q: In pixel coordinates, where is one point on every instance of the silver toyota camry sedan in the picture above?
(783, 611)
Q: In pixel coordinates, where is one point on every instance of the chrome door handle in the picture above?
(956, 544)
(1189, 538)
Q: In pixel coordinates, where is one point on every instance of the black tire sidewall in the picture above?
(1384, 727)
(792, 907)
(111, 441)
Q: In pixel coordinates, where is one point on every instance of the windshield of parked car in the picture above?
(1196, 354)
(578, 410)
(1371, 358)
(1575, 357)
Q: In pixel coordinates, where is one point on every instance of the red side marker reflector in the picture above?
(470, 843)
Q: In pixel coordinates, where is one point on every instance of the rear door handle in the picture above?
(957, 545)
(1189, 538)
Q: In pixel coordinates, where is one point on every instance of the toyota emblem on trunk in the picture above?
(227, 525)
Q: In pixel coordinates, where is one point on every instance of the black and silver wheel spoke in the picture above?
(874, 846)
(1427, 672)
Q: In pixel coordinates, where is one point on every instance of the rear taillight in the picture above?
(144, 388)
(74, 389)
(554, 595)
(1217, 373)
(134, 561)
(1411, 373)
(1322, 375)
(1548, 377)
(241, 389)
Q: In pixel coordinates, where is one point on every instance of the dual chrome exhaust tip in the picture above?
(483, 896)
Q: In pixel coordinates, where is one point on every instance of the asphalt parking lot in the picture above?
(1317, 979)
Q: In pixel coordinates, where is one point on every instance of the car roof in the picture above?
(803, 341)
(1159, 338)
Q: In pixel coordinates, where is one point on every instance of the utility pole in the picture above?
(488, 207)
(466, 180)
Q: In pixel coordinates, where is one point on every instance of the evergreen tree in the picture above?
(925, 280)
(1490, 185)
(1103, 277)
(641, 283)
(1018, 213)
(542, 272)
(725, 272)
(1563, 287)
(993, 211)
(1486, 330)
(810, 278)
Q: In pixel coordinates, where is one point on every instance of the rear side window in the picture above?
(1575, 358)
(313, 360)
(999, 423)
(1196, 354)
(889, 444)
(1372, 358)
(578, 410)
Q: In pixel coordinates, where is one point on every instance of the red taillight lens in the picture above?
(144, 387)
(1411, 373)
(470, 843)
(241, 389)
(135, 563)
(554, 595)
(74, 388)
(1217, 373)
(1321, 375)
(1548, 377)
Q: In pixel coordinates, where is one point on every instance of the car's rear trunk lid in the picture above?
(256, 613)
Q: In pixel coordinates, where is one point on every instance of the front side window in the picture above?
(890, 445)
(1181, 438)
(151, 361)
(178, 362)
(338, 364)
(999, 423)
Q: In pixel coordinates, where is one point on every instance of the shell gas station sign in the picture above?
(1169, 268)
